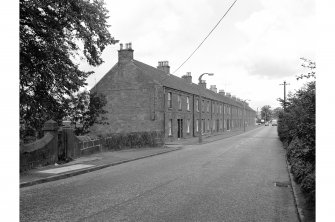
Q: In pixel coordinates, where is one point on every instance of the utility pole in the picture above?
(284, 84)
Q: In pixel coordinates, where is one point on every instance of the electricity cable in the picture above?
(205, 37)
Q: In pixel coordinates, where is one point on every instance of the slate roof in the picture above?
(175, 82)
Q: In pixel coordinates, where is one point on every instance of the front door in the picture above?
(180, 128)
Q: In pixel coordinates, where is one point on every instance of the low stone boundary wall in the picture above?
(88, 145)
(41, 152)
(63, 145)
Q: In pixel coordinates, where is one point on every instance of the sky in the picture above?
(256, 47)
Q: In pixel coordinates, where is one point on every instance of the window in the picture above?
(188, 103)
(197, 105)
(202, 106)
(179, 102)
(170, 100)
(208, 106)
(208, 121)
(220, 109)
(197, 125)
(203, 126)
(188, 126)
(170, 127)
(224, 109)
(213, 124)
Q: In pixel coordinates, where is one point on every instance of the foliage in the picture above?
(310, 65)
(54, 34)
(275, 112)
(133, 140)
(266, 112)
(88, 112)
(296, 129)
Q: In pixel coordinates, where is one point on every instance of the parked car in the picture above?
(274, 122)
(266, 124)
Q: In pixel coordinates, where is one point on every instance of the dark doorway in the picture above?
(180, 128)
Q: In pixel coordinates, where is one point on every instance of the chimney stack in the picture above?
(188, 77)
(203, 84)
(126, 54)
(228, 94)
(221, 91)
(164, 66)
(213, 88)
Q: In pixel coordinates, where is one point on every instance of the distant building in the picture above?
(144, 98)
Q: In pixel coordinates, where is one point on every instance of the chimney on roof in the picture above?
(164, 66)
(213, 88)
(126, 54)
(203, 84)
(188, 77)
(228, 94)
(221, 91)
(234, 97)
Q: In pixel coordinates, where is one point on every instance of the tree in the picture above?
(53, 35)
(276, 111)
(311, 65)
(266, 112)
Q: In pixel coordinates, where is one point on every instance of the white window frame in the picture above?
(179, 102)
(197, 105)
(188, 122)
(188, 103)
(170, 127)
(169, 99)
(197, 125)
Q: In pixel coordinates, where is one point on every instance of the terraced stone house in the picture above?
(144, 98)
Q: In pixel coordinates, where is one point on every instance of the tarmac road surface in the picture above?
(241, 178)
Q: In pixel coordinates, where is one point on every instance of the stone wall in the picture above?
(41, 152)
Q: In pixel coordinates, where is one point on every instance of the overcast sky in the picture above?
(255, 48)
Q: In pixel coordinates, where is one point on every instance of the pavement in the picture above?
(97, 161)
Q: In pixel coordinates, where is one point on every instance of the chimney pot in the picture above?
(213, 88)
(125, 54)
(203, 84)
(188, 77)
(164, 66)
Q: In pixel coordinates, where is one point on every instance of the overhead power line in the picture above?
(205, 37)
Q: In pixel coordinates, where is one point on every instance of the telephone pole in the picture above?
(284, 92)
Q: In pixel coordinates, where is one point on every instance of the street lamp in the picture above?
(200, 110)
(244, 101)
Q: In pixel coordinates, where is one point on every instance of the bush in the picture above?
(296, 129)
(132, 140)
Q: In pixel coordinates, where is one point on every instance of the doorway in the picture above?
(180, 128)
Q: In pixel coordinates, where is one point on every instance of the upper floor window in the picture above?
(197, 105)
(220, 108)
(169, 99)
(202, 105)
(208, 106)
(188, 103)
(179, 102)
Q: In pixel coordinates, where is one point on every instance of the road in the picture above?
(226, 180)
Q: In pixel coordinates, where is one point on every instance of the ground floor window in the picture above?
(170, 127)
(188, 122)
(197, 125)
